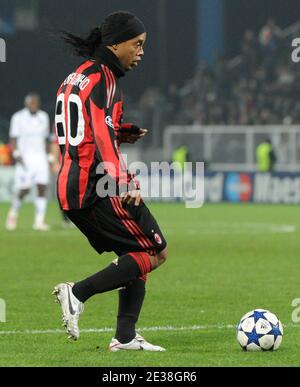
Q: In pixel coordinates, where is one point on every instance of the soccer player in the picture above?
(90, 130)
(29, 130)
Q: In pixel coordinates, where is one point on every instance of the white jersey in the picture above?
(30, 131)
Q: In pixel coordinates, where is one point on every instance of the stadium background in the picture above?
(195, 72)
(199, 70)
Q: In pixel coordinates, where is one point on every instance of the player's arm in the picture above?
(15, 153)
(50, 156)
(107, 150)
(14, 132)
(105, 140)
(54, 151)
(130, 133)
(49, 139)
(127, 132)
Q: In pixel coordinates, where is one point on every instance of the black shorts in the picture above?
(111, 226)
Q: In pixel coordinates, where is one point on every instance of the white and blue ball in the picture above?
(259, 330)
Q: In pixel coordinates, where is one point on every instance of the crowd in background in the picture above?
(260, 86)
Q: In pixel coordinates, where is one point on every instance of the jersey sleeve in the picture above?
(47, 127)
(122, 130)
(107, 148)
(14, 130)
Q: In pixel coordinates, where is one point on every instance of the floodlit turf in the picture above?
(224, 260)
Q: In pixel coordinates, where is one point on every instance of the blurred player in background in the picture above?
(89, 127)
(29, 131)
(180, 156)
(265, 156)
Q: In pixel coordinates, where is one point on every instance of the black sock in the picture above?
(124, 270)
(130, 304)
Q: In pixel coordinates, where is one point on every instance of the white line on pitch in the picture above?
(104, 330)
(159, 328)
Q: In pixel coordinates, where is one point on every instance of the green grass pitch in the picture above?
(224, 260)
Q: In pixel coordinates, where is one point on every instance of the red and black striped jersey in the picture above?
(88, 116)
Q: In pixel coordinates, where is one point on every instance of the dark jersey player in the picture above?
(90, 129)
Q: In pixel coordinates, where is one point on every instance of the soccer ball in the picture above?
(259, 330)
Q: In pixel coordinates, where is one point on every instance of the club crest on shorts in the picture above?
(157, 238)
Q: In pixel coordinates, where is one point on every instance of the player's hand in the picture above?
(19, 160)
(133, 196)
(132, 138)
(130, 133)
(16, 155)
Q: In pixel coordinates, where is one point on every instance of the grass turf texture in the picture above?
(224, 260)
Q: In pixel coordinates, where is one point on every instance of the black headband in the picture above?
(132, 28)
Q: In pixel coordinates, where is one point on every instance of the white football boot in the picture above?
(41, 226)
(39, 223)
(71, 308)
(11, 220)
(136, 344)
